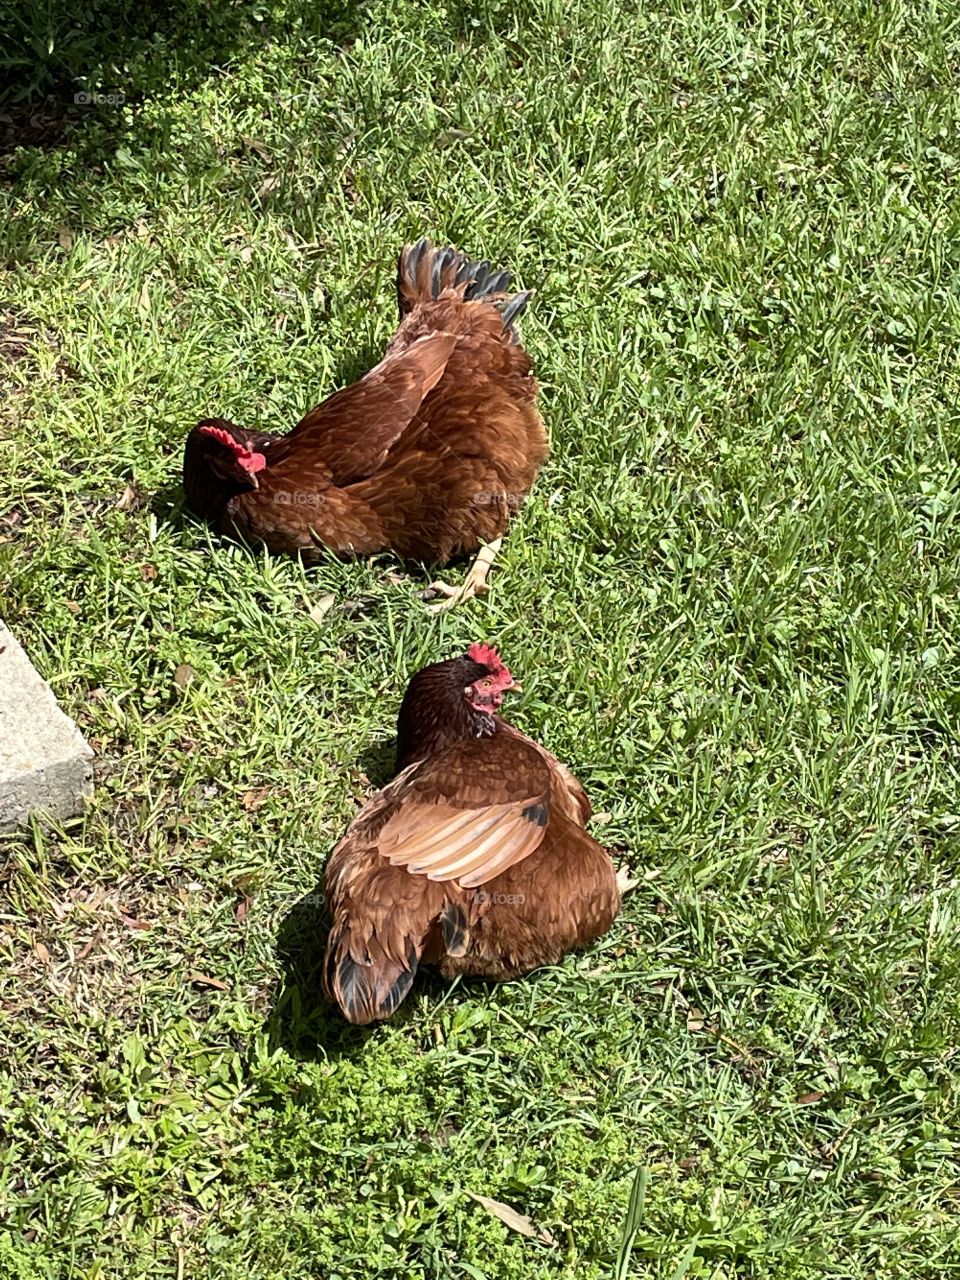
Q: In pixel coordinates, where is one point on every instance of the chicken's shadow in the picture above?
(167, 504)
(379, 761)
(303, 1022)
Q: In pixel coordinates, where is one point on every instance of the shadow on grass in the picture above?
(167, 504)
(102, 54)
(379, 761)
(303, 1022)
(78, 76)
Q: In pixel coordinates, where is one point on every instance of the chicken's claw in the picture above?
(474, 584)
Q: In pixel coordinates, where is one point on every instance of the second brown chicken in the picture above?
(427, 455)
(474, 858)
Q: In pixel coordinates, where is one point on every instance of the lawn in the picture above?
(731, 599)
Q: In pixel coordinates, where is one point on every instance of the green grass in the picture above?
(732, 601)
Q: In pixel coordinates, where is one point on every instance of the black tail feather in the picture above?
(424, 273)
(513, 308)
(453, 927)
(367, 992)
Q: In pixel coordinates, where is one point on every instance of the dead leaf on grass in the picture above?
(204, 980)
(255, 799)
(512, 1219)
(128, 500)
(323, 606)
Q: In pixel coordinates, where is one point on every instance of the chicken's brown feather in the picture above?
(352, 431)
(474, 858)
(429, 455)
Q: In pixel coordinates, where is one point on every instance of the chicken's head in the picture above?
(229, 452)
(485, 692)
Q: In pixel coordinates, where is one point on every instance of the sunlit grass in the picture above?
(732, 602)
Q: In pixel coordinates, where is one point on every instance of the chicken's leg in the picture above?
(474, 584)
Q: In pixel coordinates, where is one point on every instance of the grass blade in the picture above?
(638, 1197)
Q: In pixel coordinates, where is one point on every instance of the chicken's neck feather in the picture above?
(435, 714)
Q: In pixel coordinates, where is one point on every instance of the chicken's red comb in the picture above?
(224, 436)
(247, 458)
(486, 655)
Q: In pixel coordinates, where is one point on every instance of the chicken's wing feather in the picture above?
(353, 429)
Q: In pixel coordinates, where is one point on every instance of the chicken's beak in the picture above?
(516, 687)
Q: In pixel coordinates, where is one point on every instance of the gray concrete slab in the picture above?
(45, 764)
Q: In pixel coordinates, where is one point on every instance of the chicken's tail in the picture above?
(370, 985)
(425, 272)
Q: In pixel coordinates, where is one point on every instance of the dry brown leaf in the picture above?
(72, 607)
(143, 301)
(246, 255)
(43, 955)
(511, 1218)
(183, 675)
(258, 148)
(203, 980)
(65, 238)
(806, 1099)
(254, 800)
(87, 947)
(133, 923)
(322, 608)
(242, 907)
(148, 572)
(128, 499)
(266, 186)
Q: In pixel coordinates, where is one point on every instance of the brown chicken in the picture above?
(474, 858)
(427, 455)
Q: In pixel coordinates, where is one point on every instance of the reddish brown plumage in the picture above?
(427, 455)
(474, 858)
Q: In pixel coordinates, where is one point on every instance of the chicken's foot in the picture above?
(474, 584)
(625, 881)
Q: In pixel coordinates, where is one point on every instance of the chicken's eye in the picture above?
(485, 684)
